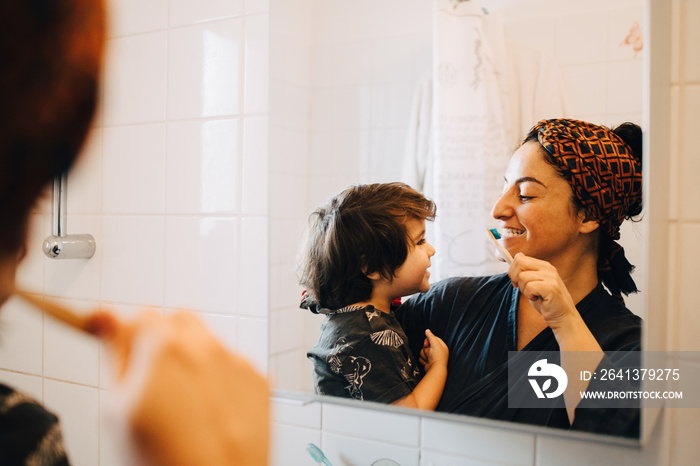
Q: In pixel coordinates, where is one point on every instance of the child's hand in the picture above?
(434, 351)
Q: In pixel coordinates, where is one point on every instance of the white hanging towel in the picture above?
(470, 152)
(469, 114)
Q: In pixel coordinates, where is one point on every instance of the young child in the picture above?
(366, 248)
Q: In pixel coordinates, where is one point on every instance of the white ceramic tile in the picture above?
(288, 200)
(381, 426)
(684, 445)
(289, 371)
(688, 250)
(297, 413)
(351, 107)
(312, 331)
(436, 458)
(676, 32)
(323, 187)
(478, 442)
(21, 337)
(675, 153)
(286, 327)
(553, 451)
(84, 189)
(76, 278)
(133, 260)
(290, 106)
(30, 385)
(134, 88)
(350, 450)
(392, 59)
(184, 12)
(256, 166)
(30, 273)
(204, 69)
(133, 168)
(289, 445)
(691, 41)
(285, 292)
(625, 91)
(257, 6)
(254, 265)
(391, 104)
(70, 355)
(386, 149)
(257, 59)
(285, 241)
(625, 33)
(253, 341)
(203, 174)
(292, 19)
(288, 151)
(675, 313)
(586, 87)
(535, 33)
(78, 411)
(136, 16)
(202, 264)
(352, 63)
(322, 65)
(290, 60)
(335, 153)
(224, 328)
(690, 161)
(581, 38)
(322, 109)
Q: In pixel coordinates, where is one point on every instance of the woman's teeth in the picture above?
(511, 232)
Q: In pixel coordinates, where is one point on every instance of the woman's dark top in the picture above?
(477, 319)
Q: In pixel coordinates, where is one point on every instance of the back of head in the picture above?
(360, 231)
(51, 53)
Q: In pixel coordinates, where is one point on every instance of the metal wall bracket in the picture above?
(61, 245)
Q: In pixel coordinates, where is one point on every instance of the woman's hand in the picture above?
(542, 285)
(187, 400)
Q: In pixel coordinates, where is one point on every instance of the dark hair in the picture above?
(360, 231)
(52, 53)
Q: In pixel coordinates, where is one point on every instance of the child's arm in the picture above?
(427, 393)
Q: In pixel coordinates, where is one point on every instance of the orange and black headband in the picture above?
(599, 166)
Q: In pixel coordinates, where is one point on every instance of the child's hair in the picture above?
(360, 231)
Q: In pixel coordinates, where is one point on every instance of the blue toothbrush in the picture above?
(317, 455)
(495, 236)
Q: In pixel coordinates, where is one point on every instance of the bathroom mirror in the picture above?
(344, 78)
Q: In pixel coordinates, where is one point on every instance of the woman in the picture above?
(52, 53)
(568, 188)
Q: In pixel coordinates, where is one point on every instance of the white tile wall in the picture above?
(173, 185)
(199, 152)
(135, 78)
(205, 72)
